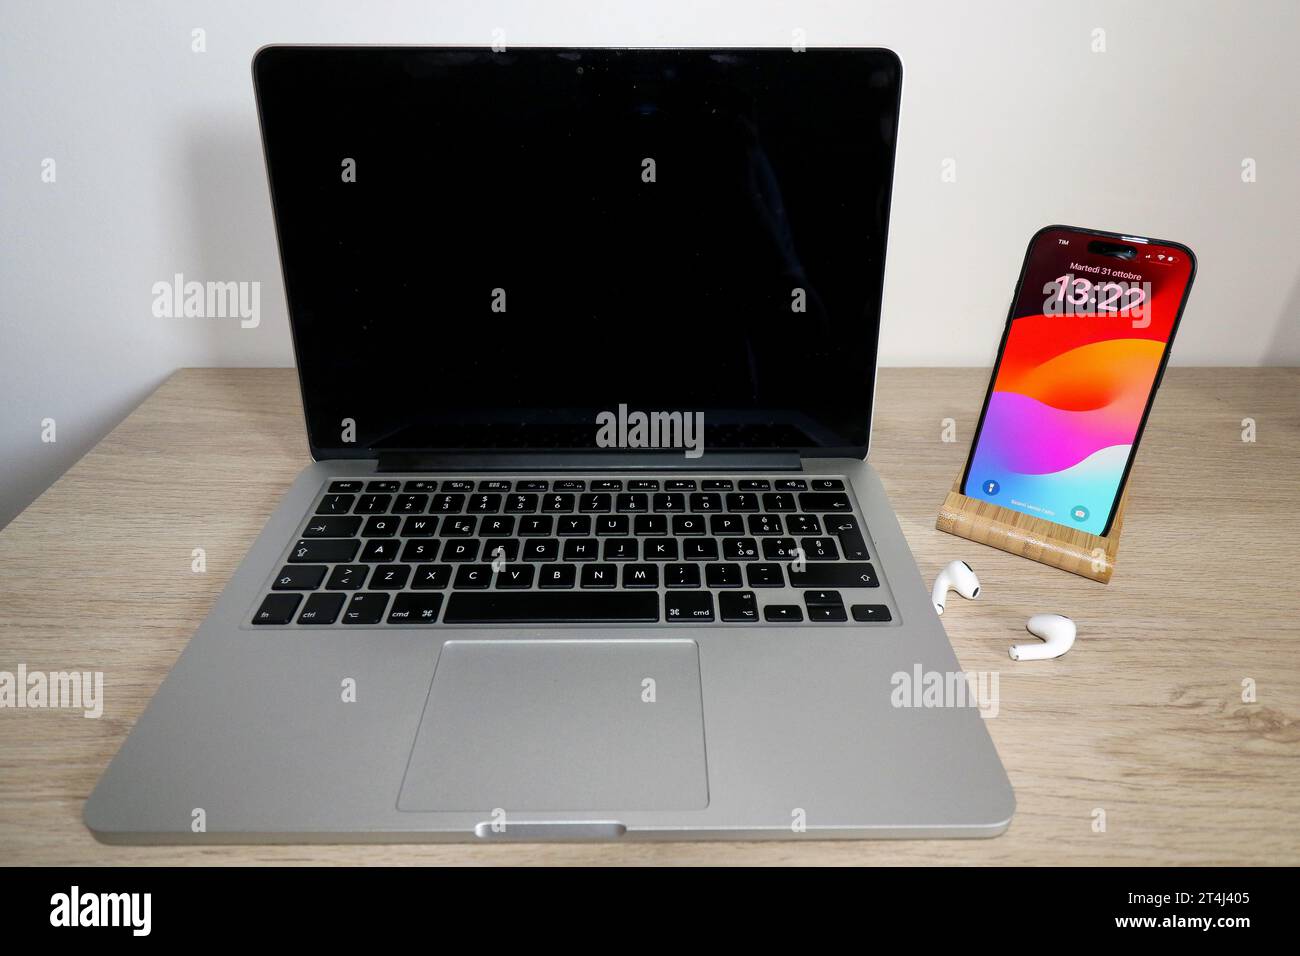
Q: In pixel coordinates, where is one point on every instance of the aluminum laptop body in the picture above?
(590, 548)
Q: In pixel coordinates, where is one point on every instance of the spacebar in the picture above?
(538, 607)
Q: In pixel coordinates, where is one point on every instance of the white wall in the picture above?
(159, 169)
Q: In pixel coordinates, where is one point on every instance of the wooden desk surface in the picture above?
(1144, 719)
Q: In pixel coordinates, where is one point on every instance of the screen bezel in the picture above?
(871, 330)
(1155, 384)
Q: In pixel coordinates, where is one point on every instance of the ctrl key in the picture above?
(688, 606)
(322, 609)
(277, 609)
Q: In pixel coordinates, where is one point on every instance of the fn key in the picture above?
(277, 609)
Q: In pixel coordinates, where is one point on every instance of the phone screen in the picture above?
(1086, 340)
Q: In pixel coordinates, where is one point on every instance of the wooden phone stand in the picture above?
(1089, 555)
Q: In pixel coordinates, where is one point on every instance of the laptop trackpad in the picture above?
(560, 725)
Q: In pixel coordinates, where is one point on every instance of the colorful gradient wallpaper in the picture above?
(1070, 391)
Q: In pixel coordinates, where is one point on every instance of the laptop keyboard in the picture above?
(742, 551)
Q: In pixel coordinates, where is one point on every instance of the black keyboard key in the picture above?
(679, 608)
(458, 485)
(700, 549)
(679, 484)
(347, 577)
(596, 502)
(345, 486)
(726, 524)
(277, 609)
(621, 549)
(664, 549)
(521, 504)
(640, 575)
(366, 608)
(329, 551)
(822, 597)
(557, 576)
(541, 549)
(825, 501)
(716, 484)
(871, 613)
(556, 607)
(379, 549)
(791, 484)
(682, 575)
(383, 486)
(783, 613)
(607, 484)
(764, 524)
(332, 526)
(322, 609)
(458, 527)
(421, 484)
(827, 484)
(411, 504)
(484, 504)
(299, 577)
(498, 527)
(373, 504)
(688, 524)
(456, 550)
(835, 575)
(650, 524)
(476, 576)
(380, 526)
(570, 484)
(740, 549)
(778, 549)
(581, 549)
(429, 576)
(704, 501)
(819, 549)
(599, 575)
(764, 576)
(516, 576)
(571, 525)
(643, 484)
(500, 551)
(845, 527)
(390, 577)
(742, 501)
(827, 613)
(778, 501)
(415, 609)
(448, 504)
(494, 485)
(611, 524)
(534, 525)
(414, 527)
(803, 524)
(738, 606)
(722, 575)
(558, 503)
(419, 551)
(335, 504)
(669, 502)
(755, 484)
(632, 503)
(532, 485)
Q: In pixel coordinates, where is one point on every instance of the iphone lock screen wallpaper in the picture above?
(1085, 342)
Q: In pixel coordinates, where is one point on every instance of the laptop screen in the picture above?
(509, 250)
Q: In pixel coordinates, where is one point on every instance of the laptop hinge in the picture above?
(591, 461)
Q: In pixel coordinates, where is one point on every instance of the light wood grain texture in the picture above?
(1144, 719)
(1046, 542)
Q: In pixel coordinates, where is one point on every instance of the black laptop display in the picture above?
(485, 250)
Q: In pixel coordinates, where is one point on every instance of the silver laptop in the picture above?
(590, 548)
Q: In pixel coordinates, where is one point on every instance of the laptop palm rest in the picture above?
(517, 727)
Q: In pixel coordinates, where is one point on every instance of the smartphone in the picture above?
(1086, 343)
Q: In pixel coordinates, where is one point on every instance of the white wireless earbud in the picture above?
(956, 576)
(1057, 632)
